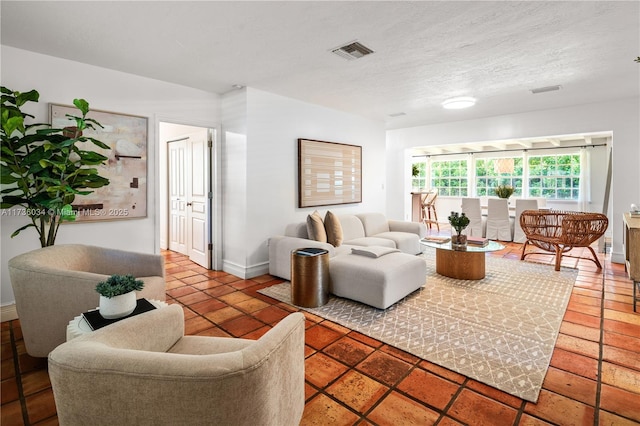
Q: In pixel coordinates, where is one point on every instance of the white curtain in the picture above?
(584, 189)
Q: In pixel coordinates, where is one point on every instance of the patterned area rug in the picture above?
(500, 330)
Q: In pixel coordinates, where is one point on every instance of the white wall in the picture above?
(60, 81)
(234, 182)
(269, 146)
(620, 117)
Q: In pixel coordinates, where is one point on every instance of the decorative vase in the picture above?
(118, 306)
(459, 241)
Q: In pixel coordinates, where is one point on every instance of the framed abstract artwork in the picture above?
(328, 173)
(126, 195)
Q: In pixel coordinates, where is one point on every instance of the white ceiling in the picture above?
(425, 52)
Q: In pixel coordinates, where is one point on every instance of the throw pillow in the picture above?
(334, 229)
(315, 227)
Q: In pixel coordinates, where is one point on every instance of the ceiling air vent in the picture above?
(352, 51)
(545, 89)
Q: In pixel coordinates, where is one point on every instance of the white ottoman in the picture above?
(379, 282)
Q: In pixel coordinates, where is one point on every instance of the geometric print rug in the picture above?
(500, 330)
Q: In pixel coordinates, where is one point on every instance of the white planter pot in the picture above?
(118, 306)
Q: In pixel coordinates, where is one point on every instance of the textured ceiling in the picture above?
(425, 52)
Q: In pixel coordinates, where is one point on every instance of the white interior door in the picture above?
(189, 202)
(178, 196)
(199, 204)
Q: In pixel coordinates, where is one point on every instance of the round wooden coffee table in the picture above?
(468, 264)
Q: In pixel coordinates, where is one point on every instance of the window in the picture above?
(450, 177)
(554, 176)
(419, 180)
(550, 176)
(491, 172)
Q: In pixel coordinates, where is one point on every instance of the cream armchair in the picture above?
(53, 285)
(144, 371)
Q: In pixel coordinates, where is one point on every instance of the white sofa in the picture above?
(379, 280)
(360, 230)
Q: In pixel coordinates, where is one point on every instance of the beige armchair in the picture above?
(53, 285)
(144, 371)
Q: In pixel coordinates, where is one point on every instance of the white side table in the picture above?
(79, 326)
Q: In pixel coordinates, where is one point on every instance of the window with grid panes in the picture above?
(489, 176)
(419, 181)
(555, 177)
(450, 177)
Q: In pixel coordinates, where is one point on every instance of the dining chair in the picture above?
(429, 215)
(522, 204)
(471, 208)
(498, 224)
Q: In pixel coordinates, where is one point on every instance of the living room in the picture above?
(258, 169)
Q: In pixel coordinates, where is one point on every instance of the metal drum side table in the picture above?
(309, 277)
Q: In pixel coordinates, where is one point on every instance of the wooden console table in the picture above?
(631, 248)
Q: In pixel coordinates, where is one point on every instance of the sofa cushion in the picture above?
(315, 227)
(351, 227)
(334, 229)
(405, 241)
(374, 223)
(379, 282)
(371, 241)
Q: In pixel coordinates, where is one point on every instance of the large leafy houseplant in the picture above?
(45, 168)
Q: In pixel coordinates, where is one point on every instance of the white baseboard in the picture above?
(617, 257)
(245, 272)
(8, 313)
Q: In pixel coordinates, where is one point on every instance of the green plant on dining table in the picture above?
(458, 221)
(504, 191)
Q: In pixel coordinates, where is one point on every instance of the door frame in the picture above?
(215, 172)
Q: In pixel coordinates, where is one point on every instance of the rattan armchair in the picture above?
(558, 232)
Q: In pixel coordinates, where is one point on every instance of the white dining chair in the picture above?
(471, 208)
(498, 225)
(542, 202)
(522, 204)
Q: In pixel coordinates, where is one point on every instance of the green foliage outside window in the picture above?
(556, 177)
(419, 179)
(450, 177)
(487, 178)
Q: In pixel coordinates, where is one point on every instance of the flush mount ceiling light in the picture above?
(459, 103)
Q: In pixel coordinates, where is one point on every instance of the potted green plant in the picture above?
(504, 191)
(117, 295)
(44, 168)
(415, 171)
(458, 221)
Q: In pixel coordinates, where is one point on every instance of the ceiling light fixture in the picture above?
(459, 103)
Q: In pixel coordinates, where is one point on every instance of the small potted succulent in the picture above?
(458, 221)
(504, 191)
(117, 295)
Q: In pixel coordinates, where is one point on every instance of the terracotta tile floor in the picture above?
(594, 377)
